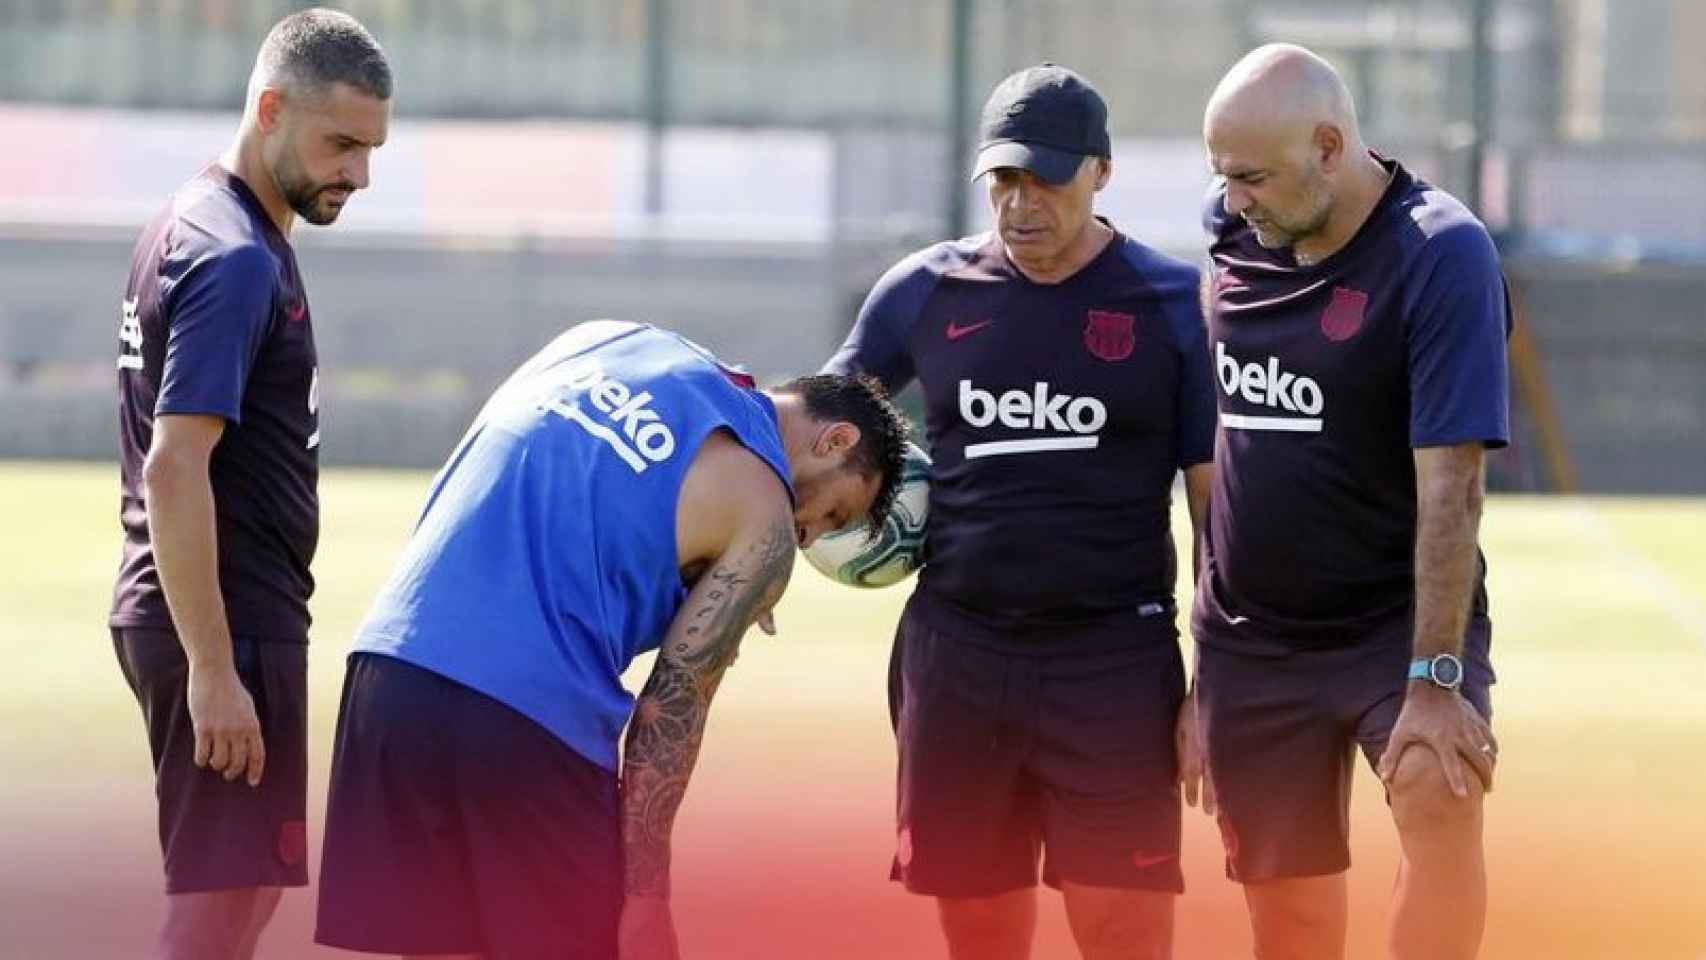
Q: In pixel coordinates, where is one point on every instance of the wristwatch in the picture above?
(1443, 670)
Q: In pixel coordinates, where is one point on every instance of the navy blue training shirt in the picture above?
(1329, 376)
(215, 321)
(1058, 416)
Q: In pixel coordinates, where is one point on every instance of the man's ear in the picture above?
(269, 109)
(1329, 146)
(836, 439)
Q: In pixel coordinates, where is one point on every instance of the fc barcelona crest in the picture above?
(1109, 335)
(1343, 317)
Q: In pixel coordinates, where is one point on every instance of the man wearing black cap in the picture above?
(1036, 687)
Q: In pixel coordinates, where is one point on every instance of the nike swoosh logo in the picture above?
(1235, 621)
(296, 311)
(955, 331)
(1144, 861)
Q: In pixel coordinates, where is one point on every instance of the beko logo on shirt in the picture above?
(314, 407)
(1268, 386)
(130, 335)
(1034, 409)
(633, 431)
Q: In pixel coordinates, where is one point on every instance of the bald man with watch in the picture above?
(1357, 324)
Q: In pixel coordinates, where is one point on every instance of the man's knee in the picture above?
(1004, 918)
(1421, 797)
(215, 923)
(266, 900)
(1298, 918)
(1108, 922)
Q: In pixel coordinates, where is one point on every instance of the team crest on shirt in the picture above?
(1343, 316)
(1109, 335)
(293, 842)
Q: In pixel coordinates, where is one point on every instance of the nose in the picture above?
(1008, 192)
(809, 532)
(357, 172)
(1025, 190)
(1237, 199)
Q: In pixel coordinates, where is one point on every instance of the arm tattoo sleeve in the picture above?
(669, 717)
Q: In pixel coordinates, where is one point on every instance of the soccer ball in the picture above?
(851, 556)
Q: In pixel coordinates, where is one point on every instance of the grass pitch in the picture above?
(1596, 832)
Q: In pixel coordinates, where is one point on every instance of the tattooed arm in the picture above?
(734, 508)
(669, 718)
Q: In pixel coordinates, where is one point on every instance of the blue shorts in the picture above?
(1281, 733)
(456, 825)
(1009, 757)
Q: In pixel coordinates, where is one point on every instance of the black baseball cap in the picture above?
(1045, 119)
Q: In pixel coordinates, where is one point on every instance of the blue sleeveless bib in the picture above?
(545, 559)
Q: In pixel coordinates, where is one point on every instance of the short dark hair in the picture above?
(861, 400)
(313, 49)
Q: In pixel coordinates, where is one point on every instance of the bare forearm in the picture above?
(1448, 521)
(185, 541)
(669, 717)
(663, 746)
(1199, 480)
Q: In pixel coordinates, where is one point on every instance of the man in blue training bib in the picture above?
(623, 491)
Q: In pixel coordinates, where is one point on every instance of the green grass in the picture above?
(1596, 832)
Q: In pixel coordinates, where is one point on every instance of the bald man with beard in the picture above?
(1357, 319)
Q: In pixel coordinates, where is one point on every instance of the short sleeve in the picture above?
(877, 344)
(1458, 322)
(218, 312)
(1196, 411)
(1214, 209)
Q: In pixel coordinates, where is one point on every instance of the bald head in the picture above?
(1282, 131)
(1281, 89)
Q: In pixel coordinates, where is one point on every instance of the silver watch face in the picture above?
(1446, 671)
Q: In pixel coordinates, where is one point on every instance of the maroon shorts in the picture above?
(1008, 757)
(1282, 733)
(218, 834)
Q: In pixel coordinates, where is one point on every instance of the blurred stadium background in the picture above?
(742, 170)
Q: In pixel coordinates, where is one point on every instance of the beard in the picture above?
(1275, 232)
(305, 195)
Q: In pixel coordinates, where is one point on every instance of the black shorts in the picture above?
(218, 834)
(1005, 756)
(1281, 733)
(457, 825)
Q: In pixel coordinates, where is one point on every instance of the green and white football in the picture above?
(852, 556)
